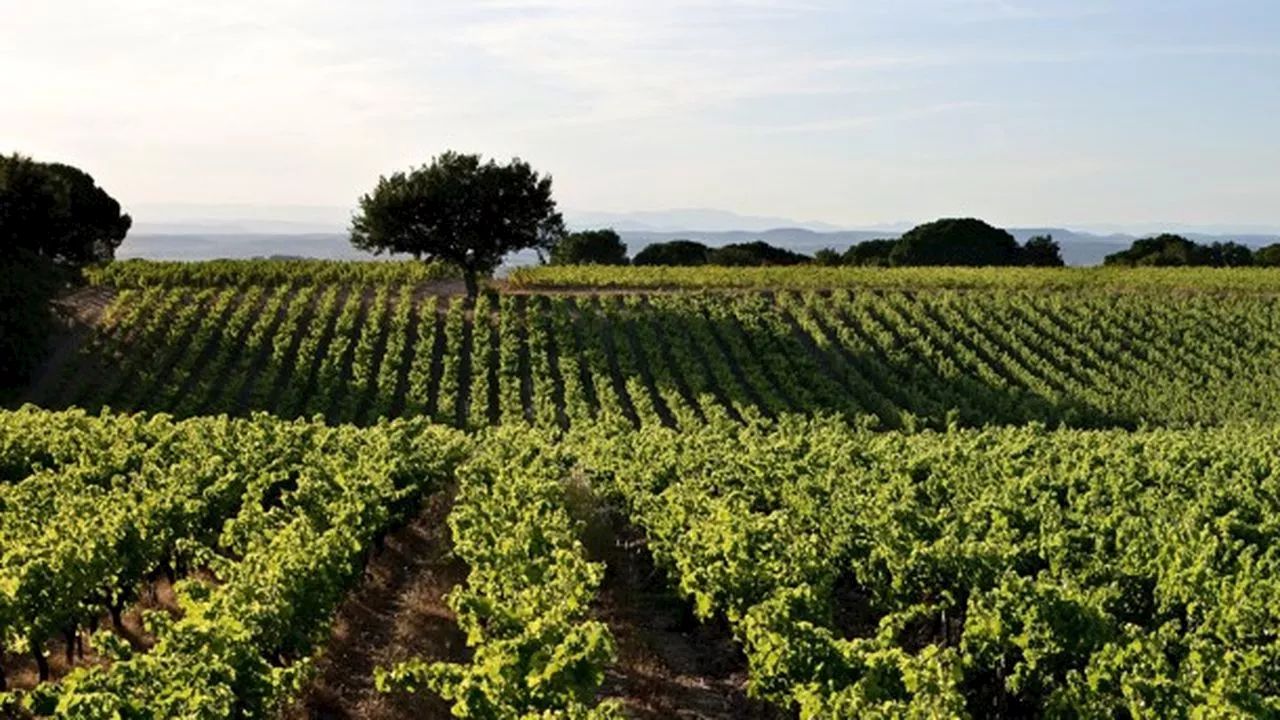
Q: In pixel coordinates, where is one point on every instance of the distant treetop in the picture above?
(955, 242)
(675, 252)
(1169, 250)
(590, 247)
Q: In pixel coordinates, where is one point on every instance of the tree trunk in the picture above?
(42, 663)
(473, 284)
(69, 636)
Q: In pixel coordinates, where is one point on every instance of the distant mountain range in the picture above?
(192, 232)
(699, 220)
(220, 245)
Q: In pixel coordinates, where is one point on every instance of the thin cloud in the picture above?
(859, 121)
(632, 61)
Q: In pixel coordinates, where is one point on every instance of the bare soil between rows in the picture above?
(22, 673)
(397, 613)
(668, 664)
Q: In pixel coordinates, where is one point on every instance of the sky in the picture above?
(853, 112)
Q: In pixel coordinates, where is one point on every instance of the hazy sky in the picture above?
(852, 112)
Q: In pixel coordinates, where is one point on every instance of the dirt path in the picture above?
(398, 613)
(439, 287)
(668, 665)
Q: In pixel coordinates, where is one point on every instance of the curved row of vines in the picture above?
(354, 353)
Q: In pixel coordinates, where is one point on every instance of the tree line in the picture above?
(1168, 250)
(946, 242)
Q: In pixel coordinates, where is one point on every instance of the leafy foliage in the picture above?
(590, 247)
(245, 273)
(673, 253)
(280, 513)
(526, 603)
(1041, 251)
(459, 210)
(926, 355)
(755, 254)
(1006, 572)
(1146, 279)
(1002, 573)
(53, 221)
(870, 252)
(57, 213)
(827, 257)
(687, 252)
(955, 241)
(1174, 250)
(1268, 256)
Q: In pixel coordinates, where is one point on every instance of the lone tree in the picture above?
(462, 211)
(590, 247)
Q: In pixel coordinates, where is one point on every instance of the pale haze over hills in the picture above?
(269, 219)
(193, 232)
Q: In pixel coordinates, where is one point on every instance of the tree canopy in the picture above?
(749, 254)
(1268, 256)
(955, 241)
(1041, 251)
(57, 213)
(870, 252)
(755, 254)
(54, 220)
(828, 257)
(1169, 250)
(461, 210)
(590, 247)
(1231, 254)
(675, 252)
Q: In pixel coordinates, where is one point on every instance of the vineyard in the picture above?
(1158, 279)
(354, 353)
(285, 490)
(983, 573)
